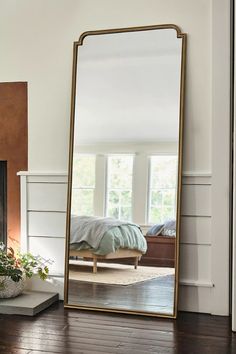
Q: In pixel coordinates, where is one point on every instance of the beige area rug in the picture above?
(115, 274)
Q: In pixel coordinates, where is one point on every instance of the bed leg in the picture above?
(136, 262)
(94, 265)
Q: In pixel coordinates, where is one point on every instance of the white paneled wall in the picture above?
(43, 223)
(196, 281)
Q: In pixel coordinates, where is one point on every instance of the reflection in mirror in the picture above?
(125, 172)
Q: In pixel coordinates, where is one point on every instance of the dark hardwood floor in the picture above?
(66, 331)
(155, 295)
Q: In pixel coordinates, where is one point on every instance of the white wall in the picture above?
(36, 40)
(36, 46)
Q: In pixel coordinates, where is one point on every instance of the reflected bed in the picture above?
(100, 238)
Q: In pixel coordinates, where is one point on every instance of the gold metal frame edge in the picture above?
(130, 29)
(180, 164)
(183, 37)
(113, 310)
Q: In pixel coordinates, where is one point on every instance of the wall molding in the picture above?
(42, 173)
(197, 283)
(188, 177)
(196, 178)
(196, 174)
(64, 173)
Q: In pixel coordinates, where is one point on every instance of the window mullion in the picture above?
(100, 186)
(140, 188)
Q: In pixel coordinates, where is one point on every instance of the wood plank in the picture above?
(59, 330)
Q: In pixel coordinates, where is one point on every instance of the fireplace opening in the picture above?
(3, 202)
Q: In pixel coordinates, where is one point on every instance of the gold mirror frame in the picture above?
(183, 37)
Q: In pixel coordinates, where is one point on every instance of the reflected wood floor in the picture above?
(67, 331)
(155, 295)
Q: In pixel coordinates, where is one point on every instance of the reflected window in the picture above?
(83, 184)
(119, 186)
(162, 188)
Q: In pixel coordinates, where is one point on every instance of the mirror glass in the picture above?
(125, 172)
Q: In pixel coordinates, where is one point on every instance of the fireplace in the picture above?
(13, 157)
(3, 202)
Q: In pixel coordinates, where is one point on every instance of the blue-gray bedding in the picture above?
(105, 235)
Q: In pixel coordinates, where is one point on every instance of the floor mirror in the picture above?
(125, 163)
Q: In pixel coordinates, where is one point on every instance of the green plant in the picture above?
(19, 265)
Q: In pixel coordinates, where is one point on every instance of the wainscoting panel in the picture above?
(196, 200)
(47, 224)
(195, 263)
(195, 230)
(43, 212)
(195, 299)
(47, 196)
